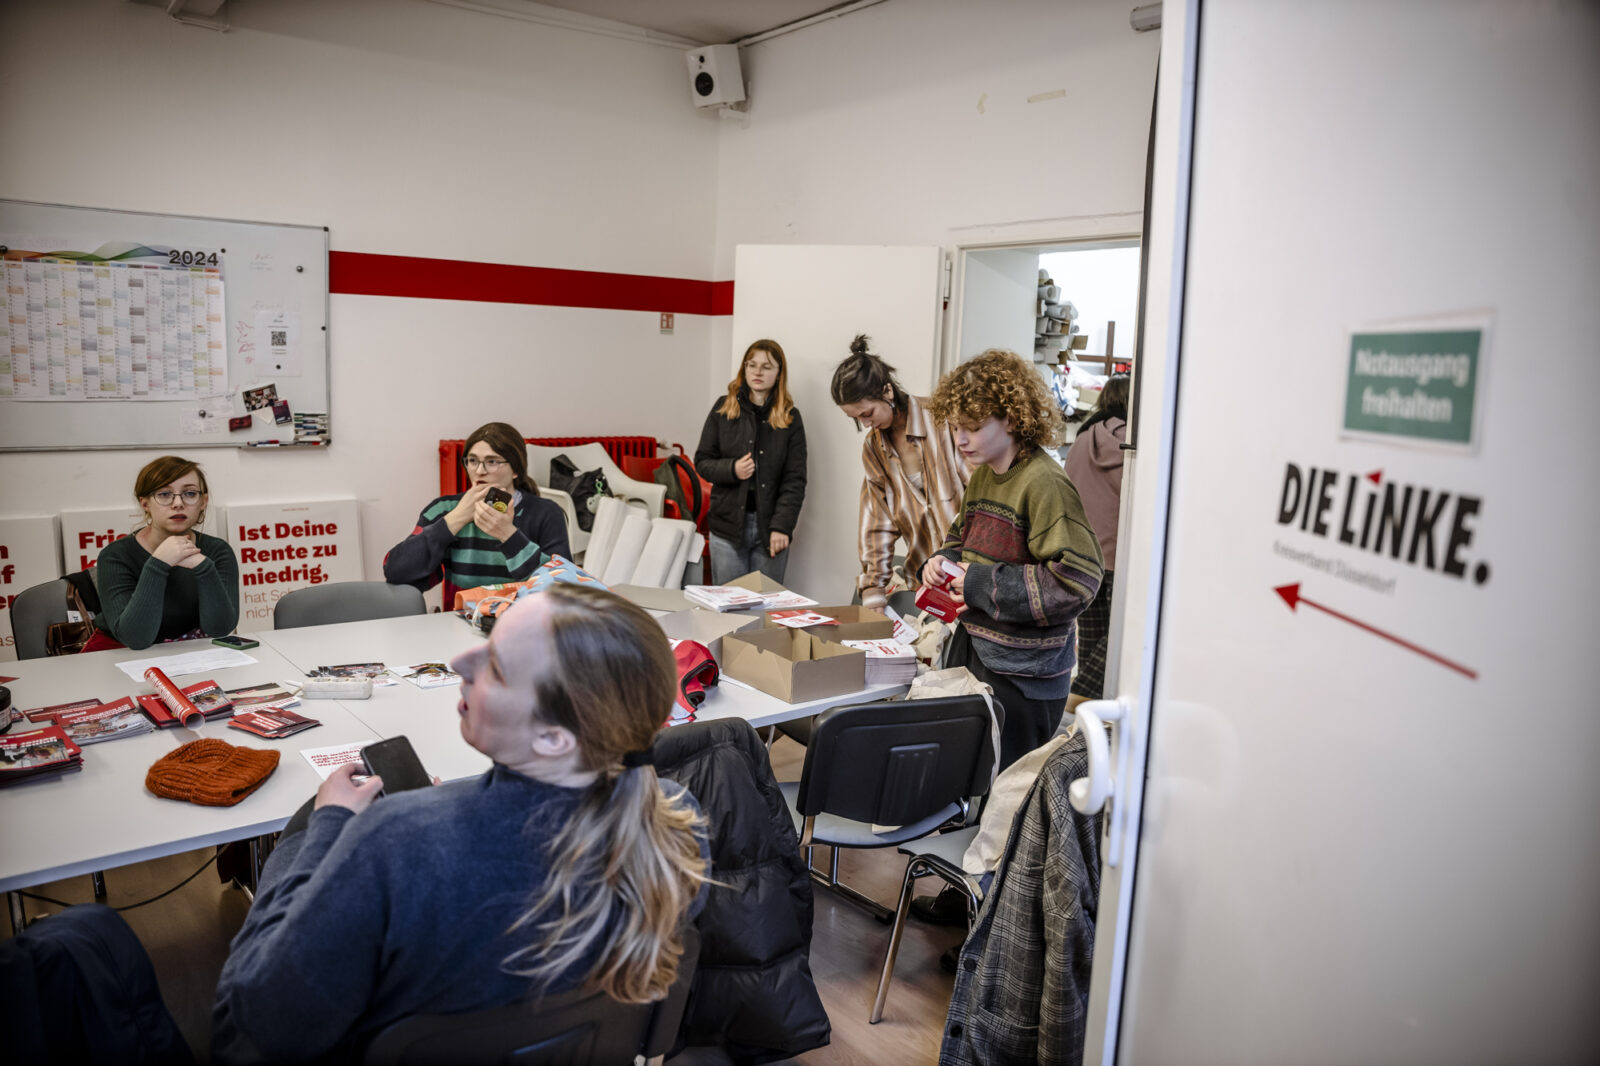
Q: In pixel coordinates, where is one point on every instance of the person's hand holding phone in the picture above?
(465, 509)
(496, 523)
(341, 790)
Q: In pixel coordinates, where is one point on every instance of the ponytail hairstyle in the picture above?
(1113, 402)
(782, 410)
(159, 473)
(863, 376)
(507, 443)
(626, 867)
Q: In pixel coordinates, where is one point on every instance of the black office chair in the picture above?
(346, 601)
(572, 1029)
(879, 774)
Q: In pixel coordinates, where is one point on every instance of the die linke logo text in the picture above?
(1427, 527)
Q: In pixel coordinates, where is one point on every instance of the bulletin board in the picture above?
(124, 329)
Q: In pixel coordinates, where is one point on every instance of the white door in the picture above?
(999, 295)
(813, 300)
(1367, 828)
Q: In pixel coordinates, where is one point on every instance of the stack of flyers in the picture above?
(889, 662)
(262, 697)
(428, 675)
(107, 721)
(272, 723)
(209, 699)
(725, 597)
(377, 673)
(47, 715)
(799, 619)
(42, 752)
(784, 600)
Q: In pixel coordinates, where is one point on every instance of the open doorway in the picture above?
(1072, 306)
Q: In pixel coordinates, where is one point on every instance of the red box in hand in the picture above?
(938, 603)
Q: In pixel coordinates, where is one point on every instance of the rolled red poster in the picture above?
(180, 704)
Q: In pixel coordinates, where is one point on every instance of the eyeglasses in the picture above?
(491, 464)
(166, 496)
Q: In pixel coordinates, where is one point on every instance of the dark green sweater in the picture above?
(144, 601)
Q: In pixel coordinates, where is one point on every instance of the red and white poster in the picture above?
(28, 557)
(286, 546)
(84, 533)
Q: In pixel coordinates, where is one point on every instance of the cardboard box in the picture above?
(855, 623)
(793, 665)
(707, 627)
(653, 599)
(756, 581)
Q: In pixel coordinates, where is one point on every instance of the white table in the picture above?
(440, 637)
(427, 716)
(102, 816)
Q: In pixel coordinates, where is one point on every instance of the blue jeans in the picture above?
(730, 560)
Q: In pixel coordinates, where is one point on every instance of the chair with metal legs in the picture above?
(880, 774)
(931, 856)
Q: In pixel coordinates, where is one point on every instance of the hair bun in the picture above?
(859, 345)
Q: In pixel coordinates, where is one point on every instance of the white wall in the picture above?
(407, 128)
(910, 123)
(412, 128)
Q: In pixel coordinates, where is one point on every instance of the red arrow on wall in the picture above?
(1291, 596)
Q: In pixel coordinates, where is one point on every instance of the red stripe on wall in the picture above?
(363, 274)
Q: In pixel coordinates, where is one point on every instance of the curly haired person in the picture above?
(1029, 562)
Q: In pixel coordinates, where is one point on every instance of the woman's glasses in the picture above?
(166, 496)
(490, 464)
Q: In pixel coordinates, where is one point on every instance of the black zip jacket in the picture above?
(779, 482)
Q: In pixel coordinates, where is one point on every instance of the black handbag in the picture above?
(587, 488)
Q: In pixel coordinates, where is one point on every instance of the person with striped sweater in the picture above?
(1027, 561)
(465, 541)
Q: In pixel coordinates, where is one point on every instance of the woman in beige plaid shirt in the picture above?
(915, 477)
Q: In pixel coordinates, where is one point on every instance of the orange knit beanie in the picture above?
(210, 772)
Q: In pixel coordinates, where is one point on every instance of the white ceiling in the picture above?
(705, 21)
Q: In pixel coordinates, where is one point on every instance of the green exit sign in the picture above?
(1420, 384)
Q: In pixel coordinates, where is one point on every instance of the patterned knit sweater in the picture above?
(1034, 565)
(472, 557)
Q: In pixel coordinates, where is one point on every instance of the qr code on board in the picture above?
(280, 337)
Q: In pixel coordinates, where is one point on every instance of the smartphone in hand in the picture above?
(236, 642)
(395, 760)
(499, 499)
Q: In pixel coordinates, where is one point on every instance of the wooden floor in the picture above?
(187, 935)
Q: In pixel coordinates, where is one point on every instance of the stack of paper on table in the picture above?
(889, 662)
(724, 597)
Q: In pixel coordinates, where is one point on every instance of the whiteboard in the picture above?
(266, 323)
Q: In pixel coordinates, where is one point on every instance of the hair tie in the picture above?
(634, 759)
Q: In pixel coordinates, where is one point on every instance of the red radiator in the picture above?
(453, 479)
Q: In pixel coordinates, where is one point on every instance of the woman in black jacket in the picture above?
(753, 451)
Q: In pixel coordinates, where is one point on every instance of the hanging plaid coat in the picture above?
(1022, 986)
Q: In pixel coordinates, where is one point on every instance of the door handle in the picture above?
(1089, 795)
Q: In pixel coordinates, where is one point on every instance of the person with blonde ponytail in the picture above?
(567, 864)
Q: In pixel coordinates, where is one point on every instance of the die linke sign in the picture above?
(286, 546)
(1415, 382)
